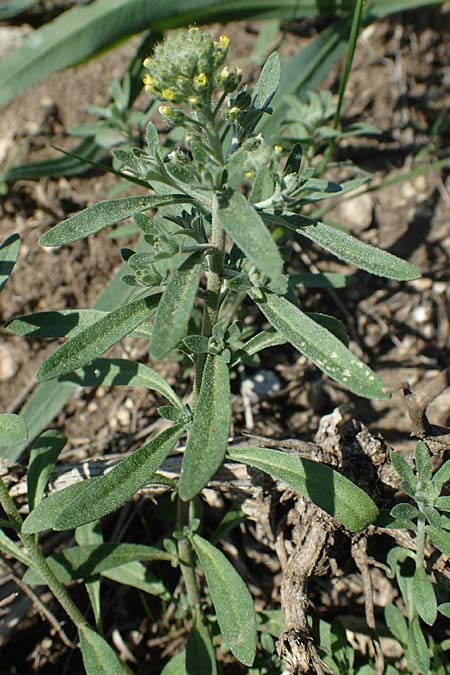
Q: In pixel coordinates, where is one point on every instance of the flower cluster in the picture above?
(188, 68)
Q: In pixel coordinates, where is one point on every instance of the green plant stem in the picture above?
(186, 557)
(38, 559)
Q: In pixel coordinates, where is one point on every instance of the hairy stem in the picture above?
(420, 540)
(38, 559)
(186, 557)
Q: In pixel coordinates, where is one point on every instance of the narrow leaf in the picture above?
(83, 562)
(97, 497)
(62, 323)
(440, 539)
(268, 82)
(9, 252)
(423, 462)
(417, 647)
(44, 453)
(95, 218)
(176, 305)
(231, 599)
(10, 548)
(122, 372)
(423, 597)
(351, 250)
(208, 437)
(200, 657)
(96, 339)
(13, 430)
(244, 225)
(442, 476)
(98, 657)
(396, 623)
(405, 472)
(328, 489)
(135, 574)
(320, 346)
(176, 665)
(322, 280)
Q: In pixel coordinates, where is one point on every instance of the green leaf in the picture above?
(405, 512)
(328, 489)
(208, 436)
(322, 280)
(408, 479)
(10, 548)
(200, 657)
(444, 609)
(97, 497)
(440, 539)
(443, 503)
(98, 657)
(423, 462)
(95, 218)
(320, 346)
(135, 574)
(423, 597)
(96, 339)
(63, 323)
(268, 82)
(84, 562)
(13, 430)
(152, 139)
(351, 250)
(91, 533)
(122, 372)
(442, 476)
(396, 623)
(245, 226)
(175, 307)
(231, 599)
(268, 338)
(332, 325)
(11, 8)
(9, 252)
(44, 453)
(176, 665)
(417, 647)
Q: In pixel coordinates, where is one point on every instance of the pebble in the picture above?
(8, 364)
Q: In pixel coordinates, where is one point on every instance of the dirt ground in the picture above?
(400, 83)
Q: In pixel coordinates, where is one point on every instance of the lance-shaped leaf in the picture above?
(97, 497)
(63, 323)
(98, 657)
(83, 562)
(328, 489)
(175, 308)
(268, 81)
(9, 252)
(13, 430)
(351, 250)
(208, 436)
(44, 453)
(322, 280)
(424, 597)
(137, 575)
(10, 548)
(244, 225)
(231, 599)
(320, 346)
(200, 656)
(96, 339)
(122, 372)
(95, 218)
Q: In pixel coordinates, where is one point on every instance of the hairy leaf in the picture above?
(244, 225)
(268, 82)
(95, 218)
(9, 252)
(231, 599)
(97, 497)
(135, 574)
(13, 430)
(396, 623)
(320, 346)
(200, 657)
(122, 372)
(175, 307)
(351, 250)
(44, 453)
(208, 436)
(96, 339)
(423, 596)
(98, 657)
(328, 489)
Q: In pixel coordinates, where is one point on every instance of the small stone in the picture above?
(8, 364)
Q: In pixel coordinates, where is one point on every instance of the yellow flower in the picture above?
(249, 174)
(147, 62)
(168, 94)
(164, 109)
(149, 83)
(193, 100)
(224, 41)
(278, 149)
(201, 80)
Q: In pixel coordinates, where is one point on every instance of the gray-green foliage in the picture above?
(229, 206)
